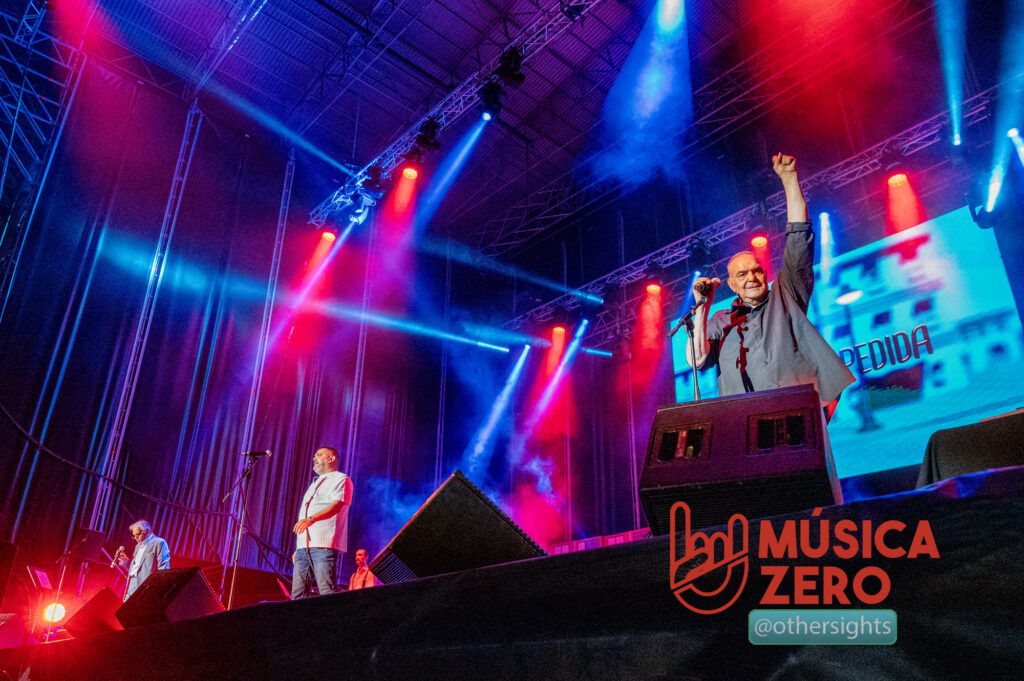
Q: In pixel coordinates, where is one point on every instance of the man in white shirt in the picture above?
(322, 530)
(151, 554)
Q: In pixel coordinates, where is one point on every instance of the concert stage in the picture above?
(609, 614)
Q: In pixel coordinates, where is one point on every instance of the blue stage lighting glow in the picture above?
(1009, 98)
(446, 175)
(1013, 132)
(995, 183)
(828, 246)
(957, 140)
(596, 352)
(670, 16)
(467, 256)
(949, 19)
(476, 458)
(1019, 144)
(152, 51)
(650, 102)
(486, 116)
(409, 326)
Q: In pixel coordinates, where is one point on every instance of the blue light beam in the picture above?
(476, 458)
(949, 19)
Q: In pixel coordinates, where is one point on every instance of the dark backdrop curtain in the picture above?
(76, 301)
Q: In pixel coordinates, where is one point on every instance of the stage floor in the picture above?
(609, 614)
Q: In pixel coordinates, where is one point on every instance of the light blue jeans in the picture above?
(314, 565)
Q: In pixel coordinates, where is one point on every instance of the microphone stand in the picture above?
(244, 479)
(687, 321)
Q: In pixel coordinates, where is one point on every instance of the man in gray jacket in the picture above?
(766, 340)
(151, 554)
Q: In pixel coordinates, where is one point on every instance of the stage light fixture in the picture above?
(411, 163)
(897, 179)
(698, 255)
(759, 241)
(427, 137)
(328, 236)
(653, 288)
(511, 68)
(54, 612)
(490, 99)
(1013, 132)
(372, 184)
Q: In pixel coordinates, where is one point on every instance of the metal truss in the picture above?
(240, 17)
(871, 160)
(36, 72)
(726, 104)
(549, 25)
(111, 454)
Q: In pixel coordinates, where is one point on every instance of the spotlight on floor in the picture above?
(54, 612)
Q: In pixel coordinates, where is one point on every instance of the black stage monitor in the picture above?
(457, 528)
(759, 454)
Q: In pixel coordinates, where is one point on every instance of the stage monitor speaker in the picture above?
(170, 596)
(8, 552)
(759, 454)
(99, 614)
(14, 633)
(457, 528)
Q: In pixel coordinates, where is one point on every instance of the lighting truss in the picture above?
(726, 104)
(548, 26)
(240, 17)
(907, 143)
(36, 72)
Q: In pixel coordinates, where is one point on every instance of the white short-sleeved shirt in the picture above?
(331, 533)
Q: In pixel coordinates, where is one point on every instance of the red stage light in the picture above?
(328, 236)
(558, 331)
(759, 241)
(897, 179)
(653, 289)
(54, 612)
(410, 173)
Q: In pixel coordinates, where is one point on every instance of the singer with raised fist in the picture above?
(151, 554)
(765, 340)
(322, 529)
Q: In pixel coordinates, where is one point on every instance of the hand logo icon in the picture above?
(714, 560)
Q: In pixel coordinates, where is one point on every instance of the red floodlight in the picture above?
(897, 179)
(759, 241)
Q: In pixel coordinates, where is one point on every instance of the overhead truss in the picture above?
(548, 26)
(721, 107)
(905, 144)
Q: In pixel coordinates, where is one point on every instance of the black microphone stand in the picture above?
(244, 479)
(687, 321)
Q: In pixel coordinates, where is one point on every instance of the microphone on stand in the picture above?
(120, 550)
(704, 288)
(263, 453)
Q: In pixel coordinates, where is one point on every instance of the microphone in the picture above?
(120, 550)
(263, 453)
(706, 287)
